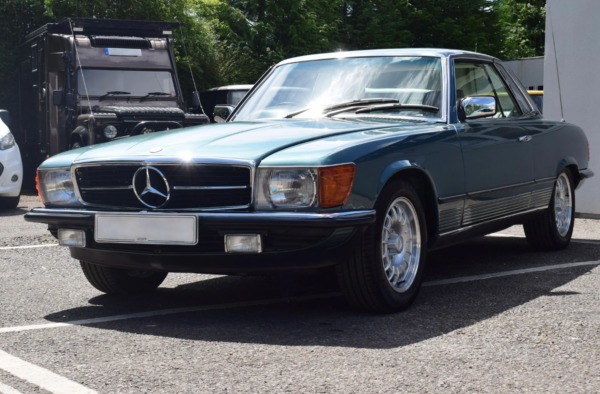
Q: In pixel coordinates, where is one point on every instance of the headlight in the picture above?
(56, 188)
(292, 188)
(7, 141)
(110, 132)
(287, 188)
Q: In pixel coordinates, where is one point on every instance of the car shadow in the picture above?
(329, 321)
(13, 212)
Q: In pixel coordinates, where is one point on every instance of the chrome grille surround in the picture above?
(165, 161)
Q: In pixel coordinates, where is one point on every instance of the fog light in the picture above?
(71, 238)
(14, 178)
(243, 243)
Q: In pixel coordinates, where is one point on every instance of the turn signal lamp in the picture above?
(37, 186)
(335, 184)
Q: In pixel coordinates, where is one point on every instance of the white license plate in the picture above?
(146, 228)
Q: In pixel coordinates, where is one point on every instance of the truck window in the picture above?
(136, 82)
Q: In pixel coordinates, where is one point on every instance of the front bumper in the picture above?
(11, 166)
(294, 241)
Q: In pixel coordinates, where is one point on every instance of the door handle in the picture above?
(525, 138)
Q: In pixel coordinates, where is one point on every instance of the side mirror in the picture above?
(222, 112)
(476, 107)
(195, 99)
(5, 116)
(57, 98)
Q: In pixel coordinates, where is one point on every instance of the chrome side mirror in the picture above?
(222, 112)
(476, 107)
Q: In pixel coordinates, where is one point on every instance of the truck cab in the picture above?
(89, 81)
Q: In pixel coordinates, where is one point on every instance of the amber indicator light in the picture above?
(37, 186)
(335, 184)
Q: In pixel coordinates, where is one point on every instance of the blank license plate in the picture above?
(146, 228)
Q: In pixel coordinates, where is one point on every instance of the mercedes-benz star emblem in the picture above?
(151, 187)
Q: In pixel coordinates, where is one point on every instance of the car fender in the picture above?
(82, 133)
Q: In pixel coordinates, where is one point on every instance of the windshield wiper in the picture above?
(113, 93)
(150, 94)
(422, 107)
(346, 104)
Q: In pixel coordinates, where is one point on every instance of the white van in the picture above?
(11, 166)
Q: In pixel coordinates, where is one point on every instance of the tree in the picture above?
(523, 27)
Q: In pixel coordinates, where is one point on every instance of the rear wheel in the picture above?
(384, 273)
(9, 202)
(553, 230)
(122, 281)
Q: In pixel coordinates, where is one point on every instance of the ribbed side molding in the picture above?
(450, 219)
(541, 198)
(481, 210)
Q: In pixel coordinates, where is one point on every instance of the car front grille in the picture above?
(191, 186)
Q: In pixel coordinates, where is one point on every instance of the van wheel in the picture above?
(385, 272)
(9, 202)
(112, 280)
(553, 230)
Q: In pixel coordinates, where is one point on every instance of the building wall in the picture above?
(530, 71)
(576, 37)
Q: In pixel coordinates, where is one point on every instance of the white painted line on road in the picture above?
(508, 273)
(579, 241)
(4, 389)
(26, 247)
(162, 312)
(40, 377)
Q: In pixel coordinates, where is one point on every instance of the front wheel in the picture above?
(111, 280)
(553, 230)
(385, 272)
(9, 202)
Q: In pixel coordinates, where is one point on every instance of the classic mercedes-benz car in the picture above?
(360, 160)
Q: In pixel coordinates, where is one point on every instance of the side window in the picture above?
(523, 103)
(508, 105)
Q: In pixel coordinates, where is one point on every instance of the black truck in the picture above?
(88, 81)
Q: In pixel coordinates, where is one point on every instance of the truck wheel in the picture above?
(121, 281)
(384, 273)
(553, 230)
(9, 202)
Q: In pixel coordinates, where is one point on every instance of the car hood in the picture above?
(237, 140)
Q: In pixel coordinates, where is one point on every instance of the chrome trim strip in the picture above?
(460, 230)
(109, 188)
(545, 180)
(208, 187)
(501, 189)
(80, 213)
(458, 197)
(165, 160)
(305, 166)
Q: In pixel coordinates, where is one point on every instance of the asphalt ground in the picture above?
(533, 326)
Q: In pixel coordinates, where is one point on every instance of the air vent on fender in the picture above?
(120, 42)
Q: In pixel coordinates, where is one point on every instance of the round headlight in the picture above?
(110, 132)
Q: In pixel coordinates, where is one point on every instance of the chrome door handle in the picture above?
(525, 138)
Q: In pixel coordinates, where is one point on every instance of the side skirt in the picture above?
(479, 229)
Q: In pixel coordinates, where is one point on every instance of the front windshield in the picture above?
(318, 84)
(136, 83)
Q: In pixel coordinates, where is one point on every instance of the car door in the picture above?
(498, 159)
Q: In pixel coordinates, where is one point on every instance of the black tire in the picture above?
(111, 280)
(9, 202)
(542, 232)
(362, 277)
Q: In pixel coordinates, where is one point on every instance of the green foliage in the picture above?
(235, 41)
(523, 27)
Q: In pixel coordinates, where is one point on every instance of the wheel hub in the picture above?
(400, 244)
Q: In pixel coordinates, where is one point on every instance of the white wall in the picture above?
(530, 71)
(577, 38)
